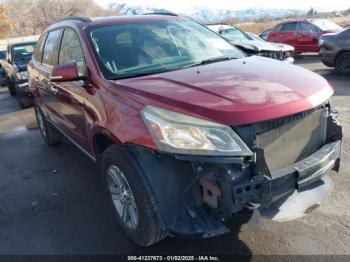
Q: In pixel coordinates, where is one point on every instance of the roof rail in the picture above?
(161, 13)
(75, 18)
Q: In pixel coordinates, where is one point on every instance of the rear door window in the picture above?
(307, 28)
(71, 51)
(288, 27)
(51, 48)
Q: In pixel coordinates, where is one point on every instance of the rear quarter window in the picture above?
(51, 48)
(38, 53)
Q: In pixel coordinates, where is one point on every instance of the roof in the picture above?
(18, 40)
(22, 43)
(117, 19)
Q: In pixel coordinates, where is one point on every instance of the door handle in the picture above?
(54, 90)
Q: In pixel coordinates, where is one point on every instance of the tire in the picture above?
(24, 101)
(11, 87)
(342, 63)
(49, 133)
(147, 230)
(2, 81)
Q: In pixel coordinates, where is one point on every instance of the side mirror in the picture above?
(66, 72)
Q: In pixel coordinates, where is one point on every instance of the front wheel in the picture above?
(24, 101)
(342, 63)
(49, 133)
(129, 198)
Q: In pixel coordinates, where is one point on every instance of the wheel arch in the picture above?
(102, 139)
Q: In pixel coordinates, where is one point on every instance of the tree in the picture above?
(33, 16)
(5, 22)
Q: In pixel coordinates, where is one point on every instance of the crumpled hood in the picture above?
(22, 66)
(234, 92)
(258, 46)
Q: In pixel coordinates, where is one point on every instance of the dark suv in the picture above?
(184, 128)
(335, 51)
(14, 69)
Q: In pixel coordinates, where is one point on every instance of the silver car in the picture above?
(252, 46)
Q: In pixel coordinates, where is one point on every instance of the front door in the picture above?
(70, 95)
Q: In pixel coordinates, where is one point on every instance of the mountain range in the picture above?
(209, 15)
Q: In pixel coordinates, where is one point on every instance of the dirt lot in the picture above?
(51, 201)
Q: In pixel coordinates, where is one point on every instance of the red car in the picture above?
(302, 34)
(184, 128)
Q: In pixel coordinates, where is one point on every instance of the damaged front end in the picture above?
(284, 177)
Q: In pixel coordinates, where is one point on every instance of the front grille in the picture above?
(279, 55)
(288, 140)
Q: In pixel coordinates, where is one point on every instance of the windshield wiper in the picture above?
(213, 60)
(146, 73)
(138, 74)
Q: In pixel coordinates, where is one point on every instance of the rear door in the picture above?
(70, 95)
(307, 37)
(46, 90)
(34, 67)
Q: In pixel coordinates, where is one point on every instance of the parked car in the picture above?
(2, 79)
(265, 33)
(302, 34)
(184, 128)
(335, 51)
(14, 68)
(249, 45)
(283, 47)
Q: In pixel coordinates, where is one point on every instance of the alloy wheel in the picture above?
(122, 196)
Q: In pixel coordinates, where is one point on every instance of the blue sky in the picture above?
(183, 5)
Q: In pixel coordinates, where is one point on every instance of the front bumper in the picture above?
(193, 195)
(21, 87)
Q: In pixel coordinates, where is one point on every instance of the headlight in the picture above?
(181, 134)
(320, 41)
(22, 75)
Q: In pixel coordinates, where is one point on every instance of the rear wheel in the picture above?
(11, 87)
(342, 63)
(49, 133)
(129, 198)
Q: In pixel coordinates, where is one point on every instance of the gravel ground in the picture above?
(51, 201)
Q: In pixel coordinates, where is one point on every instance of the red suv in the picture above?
(185, 129)
(302, 34)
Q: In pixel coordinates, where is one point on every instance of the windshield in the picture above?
(256, 37)
(152, 47)
(23, 52)
(327, 25)
(235, 35)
